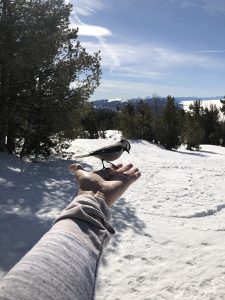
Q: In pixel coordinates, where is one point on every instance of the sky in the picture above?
(155, 47)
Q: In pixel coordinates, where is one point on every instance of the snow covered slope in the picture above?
(170, 224)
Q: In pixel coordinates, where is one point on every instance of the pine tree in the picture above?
(157, 124)
(46, 76)
(223, 105)
(193, 133)
(211, 125)
(171, 127)
(127, 121)
(143, 121)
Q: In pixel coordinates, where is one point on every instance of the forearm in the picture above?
(63, 264)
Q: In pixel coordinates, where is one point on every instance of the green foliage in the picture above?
(135, 121)
(171, 127)
(127, 121)
(157, 122)
(192, 132)
(223, 105)
(96, 121)
(39, 59)
(168, 124)
(211, 125)
(144, 121)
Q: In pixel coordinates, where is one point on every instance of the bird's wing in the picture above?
(84, 155)
(105, 150)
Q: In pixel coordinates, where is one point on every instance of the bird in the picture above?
(109, 153)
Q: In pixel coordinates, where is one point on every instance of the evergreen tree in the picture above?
(143, 120)
(127, 121)
(197, 110)
(39, 59)
(211, 125)
(193, 132)
(171, 127)
(157, 124)
(135, 121)
(223, 105)
(89, 123)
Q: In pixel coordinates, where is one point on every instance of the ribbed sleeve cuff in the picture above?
(89, 208)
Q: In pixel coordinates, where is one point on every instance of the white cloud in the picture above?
(91, 30)
(211, 51)
(127, 89)
(138, 73)
(150, 61)
(212, 6)
(87, 7)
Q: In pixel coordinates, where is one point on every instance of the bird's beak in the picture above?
(127, 151)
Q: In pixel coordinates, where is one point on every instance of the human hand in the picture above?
(111, 182)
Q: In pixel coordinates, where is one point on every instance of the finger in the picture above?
(132, 171)
(135, 176)
(75, 167)
(78, 171)
(125, 168)
(106, 172)
(113, 168)
(116, 167)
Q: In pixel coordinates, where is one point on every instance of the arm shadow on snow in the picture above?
(31, 197)
(138, 141)
(197, 153)
(210, 152)
(37, 189)
(202, 153)
(17, 236)
(124, 218)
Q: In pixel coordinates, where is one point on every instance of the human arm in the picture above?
(64, 263)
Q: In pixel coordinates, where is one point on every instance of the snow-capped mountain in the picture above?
(116, 103)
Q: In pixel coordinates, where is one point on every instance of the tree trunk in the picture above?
(11, 138)
(2, 136)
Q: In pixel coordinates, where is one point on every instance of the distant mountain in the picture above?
(114, 104)
(179, 99)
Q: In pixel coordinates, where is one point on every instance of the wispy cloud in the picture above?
(211, 51)
(150, 61)
(125, 89)
(130, 72)
(87, 7)
(212, 6)
(92, 30)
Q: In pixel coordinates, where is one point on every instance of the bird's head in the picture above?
(126, 145)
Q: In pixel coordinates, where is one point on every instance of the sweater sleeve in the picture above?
(63, 264)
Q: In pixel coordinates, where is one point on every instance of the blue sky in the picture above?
(161, 47)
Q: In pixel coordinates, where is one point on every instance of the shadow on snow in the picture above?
(31, 197)
(124, 218)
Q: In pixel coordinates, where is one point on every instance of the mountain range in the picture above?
(117, 103)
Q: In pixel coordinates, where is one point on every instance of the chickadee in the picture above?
(109, 153)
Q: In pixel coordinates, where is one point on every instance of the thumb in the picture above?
(75, 167)
(78, 171)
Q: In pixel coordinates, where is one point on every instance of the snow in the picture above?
(169, 241)
(204, 103)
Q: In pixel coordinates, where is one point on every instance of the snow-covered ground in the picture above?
(205, 103)
(170, 240)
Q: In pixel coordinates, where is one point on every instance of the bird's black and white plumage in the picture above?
(109, 153)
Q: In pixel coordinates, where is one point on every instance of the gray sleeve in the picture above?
(63, 264)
